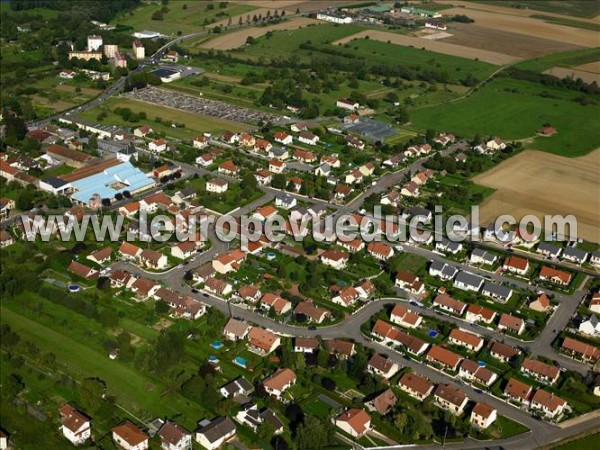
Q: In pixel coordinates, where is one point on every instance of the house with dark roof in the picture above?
(174, 437)
(213, 434)
(468, 282)
(237, 387)
(496, 291)
(253, 417)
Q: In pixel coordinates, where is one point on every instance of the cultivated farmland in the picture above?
(434, 46)
(530, 27)
(538, 183)
(563, 72)
(519, 45)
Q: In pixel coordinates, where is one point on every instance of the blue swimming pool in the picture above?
(240, 361)
(216, 345)
(433, 333)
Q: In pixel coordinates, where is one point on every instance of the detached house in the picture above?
(476, 313)
(464, 339)
(335, 258)
(555, 276)
(442, 270)
(382, 366)
(200, 142)
(404, 317)
(76, 426)
(472, 371)
(345, 103)
(311, 312)
(503, 352)
(518, 391)
(449, 304)
(380, 251)
(587, 352)
(305, 345)
(409, 282)
(276, 166)
(229, 168)
(479, 256)
(153, 259)
(306, 137)
(213, 434)
(277, 383)
(174, 437)
(482, 416)
(575, 255)
(540, 304)
(551, 405)
(383, 403)
(262, 341)
(444, 357)
(468, 282)
(236, 330)
(511, 323)
(516, 265)
(276, 303)
(283, 138)
(130, 437)
(355, 422)
(157, 146)
(541, 371)
(451, 399)
(415, 385)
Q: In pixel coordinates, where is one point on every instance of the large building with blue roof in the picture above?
(111, 181)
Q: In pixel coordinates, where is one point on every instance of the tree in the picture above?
(323, 358)
(400, 421)
(25, 200)
(91, 394)
(300, 362)
(314, 433)
(12, 386)
(266, 431)
(279, 181)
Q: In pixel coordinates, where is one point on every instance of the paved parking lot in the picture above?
(199, 105)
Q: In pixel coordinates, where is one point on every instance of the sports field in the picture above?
(538, 183)
(515, 109)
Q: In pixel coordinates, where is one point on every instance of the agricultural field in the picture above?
(584, 9)
(194, 123)
(529, 26)
(514, 109)
(538, 183)
(189, 20)
(563, 72)
(505, 42)
(438, 46)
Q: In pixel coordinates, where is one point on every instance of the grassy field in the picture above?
(513, 110)
(386, 53)
(569, 8)
(567, 22)
(194, 123)
(592, 441)
(563, 59)
(284, 43)
(127, 384)
(178, 19)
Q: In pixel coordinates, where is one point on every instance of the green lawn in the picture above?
(178, 19)
(135, 389)
(194, 123)
(513, 110)
(564, 59)
(592, 441)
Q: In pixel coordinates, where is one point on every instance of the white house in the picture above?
(590, 326)
(200, 142)
(277, 383)
(76, 427)
(130, 437)
(344, 103)
(217, 185)
(482, 416)
(213, 434)
(306, 137)
(174, 437)
(355, 422)
(157, 146)
(335, 258)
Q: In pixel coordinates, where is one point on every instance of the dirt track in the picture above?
(238, 38)
(540, 183)
(563, 72)
(530, 27)
(519, 45)
(434, 46)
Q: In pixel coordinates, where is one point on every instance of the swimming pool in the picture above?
(240, 361)
(216, 345)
